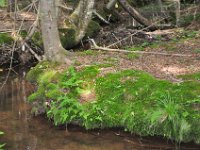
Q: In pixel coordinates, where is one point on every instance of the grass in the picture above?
(1, 145)
(131, 99)
(5, 39)
(193, 76)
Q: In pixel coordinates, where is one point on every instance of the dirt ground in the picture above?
(160, 66)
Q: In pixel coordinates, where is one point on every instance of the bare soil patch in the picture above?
(160, 66)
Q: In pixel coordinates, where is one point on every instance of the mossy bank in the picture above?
(131, 99)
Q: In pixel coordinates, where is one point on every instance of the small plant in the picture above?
(64, 110)
(1, 145)
(132, 56)
(88, 52)
(131, 99)
(2, 3)
(169, 118)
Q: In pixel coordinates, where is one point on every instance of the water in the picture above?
(26, 132)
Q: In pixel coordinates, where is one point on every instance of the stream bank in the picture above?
(25, 132)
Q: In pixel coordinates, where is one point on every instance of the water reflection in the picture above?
(25, 132)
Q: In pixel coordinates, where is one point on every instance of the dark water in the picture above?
(25, 132)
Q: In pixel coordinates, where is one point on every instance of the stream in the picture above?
(24, 131)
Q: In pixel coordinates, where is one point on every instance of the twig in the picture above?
(100, 17)
(65, 7)
(95, 47)
(32, 52)
(136, 33)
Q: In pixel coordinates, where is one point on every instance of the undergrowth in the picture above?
(131, 99)
(1, 145)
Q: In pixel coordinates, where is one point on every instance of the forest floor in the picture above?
(161, 66)
(171, 41)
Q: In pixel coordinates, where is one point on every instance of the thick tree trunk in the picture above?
(50, 35)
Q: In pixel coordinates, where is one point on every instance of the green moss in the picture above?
(23, 33)
(5, 38)
(89, 73)
(35, 72)
(132, 56)
(188, 19)
(37, 39)
(46, 77)
(88, 52)
(104, 65)
(194, 76)
(93, 29)
(112, 60)
(2, 4)
(67, 37)
(131, 99)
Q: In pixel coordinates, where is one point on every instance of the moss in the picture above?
(132, 56)
(89, 73)
(2, 4)
(88, 52)
(131, 99)
(46, 77)
(104, 65)
(23, 33)
(35, 72)
(5, 38)
(193, 76)
(67, 37)
(39, 95)
(37, 39)
(112, 60)
(188, 19)
(93, 29)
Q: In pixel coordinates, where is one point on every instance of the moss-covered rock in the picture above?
(67, 36)
(93, 29)
(34, 74)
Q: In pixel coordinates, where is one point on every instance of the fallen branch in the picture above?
(100, 17)
(135, 33)
(32, 52)
(96, 47)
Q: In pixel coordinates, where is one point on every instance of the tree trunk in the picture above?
(11, 5)
(50, 35)
(81, 18)
(178, 11)
(136, 15)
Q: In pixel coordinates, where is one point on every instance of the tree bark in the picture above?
(136, 15)
(11, 5)
(81, 17)
(50, 35)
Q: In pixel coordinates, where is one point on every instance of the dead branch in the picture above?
(32, 52)
(65, 7)
(136, 32)
(100, 17)
(96, 47)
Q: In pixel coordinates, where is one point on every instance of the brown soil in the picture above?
(160, 66)
(10, 21)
